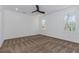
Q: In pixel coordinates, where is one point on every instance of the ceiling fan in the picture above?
(37, 10)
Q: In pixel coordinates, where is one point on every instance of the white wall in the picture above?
(0, 25)
(55, 25)
(18, 24)
(1, 28)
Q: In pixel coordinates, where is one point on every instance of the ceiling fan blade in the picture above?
(42, 12)
(37, 7)
(37, 10)
(34, 11)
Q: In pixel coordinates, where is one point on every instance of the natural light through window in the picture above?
(70, 23)
(43, 24)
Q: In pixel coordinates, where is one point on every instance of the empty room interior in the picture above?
(39, 28)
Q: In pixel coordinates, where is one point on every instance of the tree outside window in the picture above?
(70, 23)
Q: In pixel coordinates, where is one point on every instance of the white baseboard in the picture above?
(53, 36)
(67, 39)
(15, 36)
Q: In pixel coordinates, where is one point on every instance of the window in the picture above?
(43, 24)
(70, 23)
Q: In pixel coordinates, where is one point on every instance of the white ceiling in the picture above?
(29, 8)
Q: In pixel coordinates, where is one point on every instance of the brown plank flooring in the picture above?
(38, 44)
